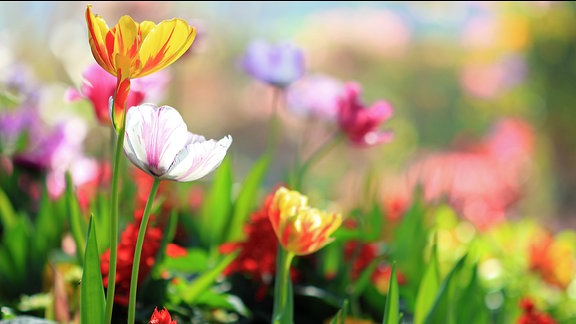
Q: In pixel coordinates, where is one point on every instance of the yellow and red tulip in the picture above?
(301, 229)
(131, 50)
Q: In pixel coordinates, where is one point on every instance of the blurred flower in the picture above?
(153, 238)
(381, 278)
(360, 255)
(158, 142)
(131, 50)
(161, 317)
(315, 96)
(481, 180)
(278, 65)
(531, 316)
(553, 259)
(300, 229)
(98, 86)
(487, 81)
(360, 123)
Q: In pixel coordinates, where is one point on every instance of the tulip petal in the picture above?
(163, 45)
(198, 158)
(154, 137)
(126, 42)
(97, 33)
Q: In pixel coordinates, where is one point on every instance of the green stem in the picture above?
(283, 287)
(316, 155)
(274, 124)
(114, 226)
(138, 251)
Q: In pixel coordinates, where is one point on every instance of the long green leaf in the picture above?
(428, 289)
(92, 300)
(77, 225)
(246, 198)
(392, 309)
(7, 214)
(204, 281)
(443, 309)
(215, 211)
(340, 317)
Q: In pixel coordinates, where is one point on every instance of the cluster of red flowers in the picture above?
(532, 316)
(257, 258)
(153, 239)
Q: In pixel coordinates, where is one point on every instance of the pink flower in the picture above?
(98, 86)
(360, 123)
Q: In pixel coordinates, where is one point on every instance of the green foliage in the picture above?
(92, 299)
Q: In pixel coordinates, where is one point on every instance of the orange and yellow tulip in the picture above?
(131, 50)
(301, 229)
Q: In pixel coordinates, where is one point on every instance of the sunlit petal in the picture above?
(163, 45)
(198, 158)
(154, 136)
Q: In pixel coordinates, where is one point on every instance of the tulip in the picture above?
(300, 229)
(158, 142)
(161, 317)
(278, 65)
(131, 50)
(359, 122)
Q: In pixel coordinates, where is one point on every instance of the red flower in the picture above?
(552, 260)
(161, 317)
(153, 239)
(361, 123)
(360, 254)
(531, 316)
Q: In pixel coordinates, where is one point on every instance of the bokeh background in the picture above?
(452, 71)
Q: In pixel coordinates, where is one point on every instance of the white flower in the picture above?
(158, 142)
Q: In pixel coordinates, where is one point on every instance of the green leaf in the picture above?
(408, 246)
(428, 289)
(245, 202)
(195, 260)
(471, 301)
(216, 208)
(444, 308)
(7, 213)
(340, 317)
(92, 300)
(77, 225)
(392, 309)
(218, 300)
(203, 282)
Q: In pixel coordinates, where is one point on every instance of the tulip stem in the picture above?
(138, 251)
(274, 124)
(114, 226)
(283, 303)
(315, 156)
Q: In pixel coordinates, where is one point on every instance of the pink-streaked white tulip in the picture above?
(158, 142)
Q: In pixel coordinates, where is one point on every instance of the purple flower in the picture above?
(361, 123)
(315, 96)
(99, 85)
(158, 142)
(278, 65)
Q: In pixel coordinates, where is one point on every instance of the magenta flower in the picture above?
(315, 96)
(158, 142)
(361, 123)
(278, 65)
(99, 85)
